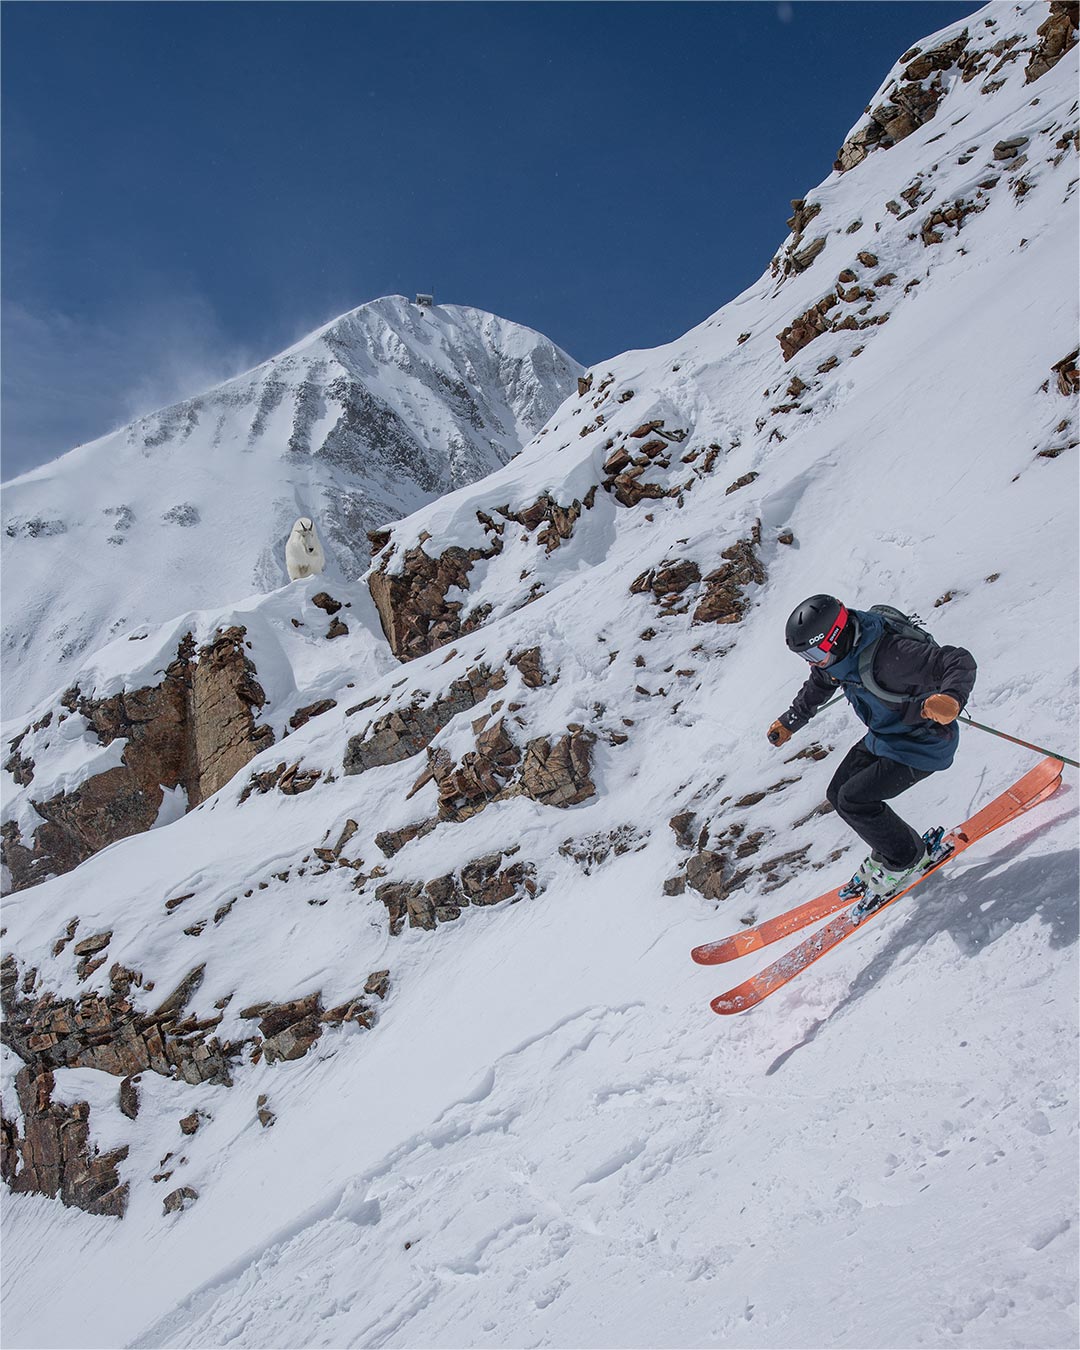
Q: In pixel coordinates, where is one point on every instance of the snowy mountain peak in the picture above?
(387, 406)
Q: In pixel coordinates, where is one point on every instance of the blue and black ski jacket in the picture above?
(911, 670)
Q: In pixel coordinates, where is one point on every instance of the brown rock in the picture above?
(725, 599)
(91, 945)
(685, 828)
(304, 715)
(378, 983)
(705, 874)
(337, 629)
(558, 775)
(1057, 34)
(189, 1124)
(617, 461)
(416, 617)
(326, 602)
(484, 884)
(1068, 377)
(742, 482)
(390, 842)
(530, 667)
(290, 1029)
(129, 1097)
(56, 1156)
(395, 896)
(629, 489)
(180, 1199)
(807, 327)
(913, 103)
(406, 731)
(801, 260)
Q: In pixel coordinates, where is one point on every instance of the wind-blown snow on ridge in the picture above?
(547, 1138)
(375, 413)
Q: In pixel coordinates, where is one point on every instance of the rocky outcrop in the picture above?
(626, 464)
(56, 1157)
(107, 1032)
(302, 716)
(194, 731)
(1067, 376)
(52, 1154)
(819, 319)
(808, 326)
(466, 788)
(950, 215)
(1057, 36)
(913, 100)
(484, 881)
(406, 731)
(668, 581)
(725, 599)
(289, 1030)
(530, 667)
(289, 779)
(553, 523)
(594, 849)
(225, 695)
(552, 773)
(415, 614)
(795, 257)
(556, 773)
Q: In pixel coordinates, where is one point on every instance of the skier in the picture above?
(909, 692)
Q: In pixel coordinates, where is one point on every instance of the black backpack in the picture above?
(899, 625)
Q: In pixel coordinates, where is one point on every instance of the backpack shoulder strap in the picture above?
(866, 675)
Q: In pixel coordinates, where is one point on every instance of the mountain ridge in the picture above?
(380, 409)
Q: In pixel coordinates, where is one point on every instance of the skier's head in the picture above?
(821, 630)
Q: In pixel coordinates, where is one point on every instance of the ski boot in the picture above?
(874, 884)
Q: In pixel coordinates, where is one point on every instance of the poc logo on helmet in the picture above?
(815, 640)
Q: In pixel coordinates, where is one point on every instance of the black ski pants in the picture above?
(859, 790)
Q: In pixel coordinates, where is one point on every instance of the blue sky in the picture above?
(188, 188)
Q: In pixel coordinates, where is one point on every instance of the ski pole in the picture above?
(1017, 741)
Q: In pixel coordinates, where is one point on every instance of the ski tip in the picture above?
(726, 1004)
(727, 949)
(713, 953)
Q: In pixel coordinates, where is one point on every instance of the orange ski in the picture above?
(1035, 786)
(1032, 788)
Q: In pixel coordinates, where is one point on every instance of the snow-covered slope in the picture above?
(379, 411)
(546, 1137)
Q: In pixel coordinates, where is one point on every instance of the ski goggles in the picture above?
(821, 651)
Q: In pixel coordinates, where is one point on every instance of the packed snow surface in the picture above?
(547, 1138)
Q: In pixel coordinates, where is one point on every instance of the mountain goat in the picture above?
(304, 555)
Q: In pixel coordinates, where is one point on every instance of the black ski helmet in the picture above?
(821, 629)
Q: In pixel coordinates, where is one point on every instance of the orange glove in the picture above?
(942, 708)
(779, 734)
